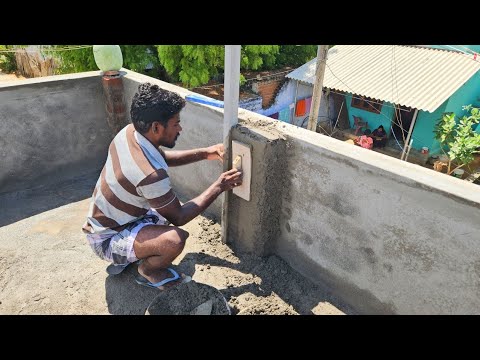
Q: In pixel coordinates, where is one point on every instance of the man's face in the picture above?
(171, 132)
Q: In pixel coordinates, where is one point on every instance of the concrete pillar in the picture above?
(254, 226)
(114, 100)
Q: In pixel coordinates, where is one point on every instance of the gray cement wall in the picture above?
(202, 126)
(387, 236)
(51, 128)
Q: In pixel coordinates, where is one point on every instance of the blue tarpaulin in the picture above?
(204, 100)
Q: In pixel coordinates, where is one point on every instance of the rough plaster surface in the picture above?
(46, 131)
(254, 224)
(389, 237)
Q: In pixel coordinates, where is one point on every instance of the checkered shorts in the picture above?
(118, 248)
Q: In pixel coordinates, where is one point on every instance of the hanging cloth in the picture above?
(300, 109)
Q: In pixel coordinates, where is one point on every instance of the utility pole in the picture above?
(317, 88)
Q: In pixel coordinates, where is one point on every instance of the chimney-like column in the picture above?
(114, 100)
(109, 59)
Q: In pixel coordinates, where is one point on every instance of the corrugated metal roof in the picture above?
(417, 77)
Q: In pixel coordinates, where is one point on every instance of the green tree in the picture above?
(8, 63)
(72, 61)
(138, 57)
(135, 58)
(259, 57)
(195, 65)
(295, 55)
(459, 138)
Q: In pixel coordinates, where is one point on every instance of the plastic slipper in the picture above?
(113, 269)
(139, 279)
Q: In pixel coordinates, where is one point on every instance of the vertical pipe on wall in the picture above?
(230, 116)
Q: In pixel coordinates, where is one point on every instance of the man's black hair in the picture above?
(152, 103)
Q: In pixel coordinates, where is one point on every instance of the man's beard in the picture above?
(170, 146)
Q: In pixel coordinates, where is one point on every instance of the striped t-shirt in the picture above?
(133, 180)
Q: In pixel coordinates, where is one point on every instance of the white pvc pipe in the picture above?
(408, 151)
(230, 116)
(231, 88)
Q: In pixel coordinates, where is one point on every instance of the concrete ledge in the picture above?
(47, 79)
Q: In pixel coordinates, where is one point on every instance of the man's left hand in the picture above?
(215, 152)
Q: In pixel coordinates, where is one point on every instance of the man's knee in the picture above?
(183, 234)
(178, 238)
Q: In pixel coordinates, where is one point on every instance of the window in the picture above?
(367, 105)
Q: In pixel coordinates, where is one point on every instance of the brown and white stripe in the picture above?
(133, 180)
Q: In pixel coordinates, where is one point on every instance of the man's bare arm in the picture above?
(179, 214)
(183, 157)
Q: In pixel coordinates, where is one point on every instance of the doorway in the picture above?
(401, 121)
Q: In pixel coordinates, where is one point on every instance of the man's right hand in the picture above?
(230, 179)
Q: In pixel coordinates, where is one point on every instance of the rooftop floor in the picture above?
(46, 266)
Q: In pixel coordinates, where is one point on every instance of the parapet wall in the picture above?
(387, 236)
(52, 128)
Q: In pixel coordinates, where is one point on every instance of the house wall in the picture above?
(423, 132)
(267, 89)
(52, 128)
(475, 48)
(469, 93)
(325, 113)
(252, 104)
(284, 98)
(374, 120)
